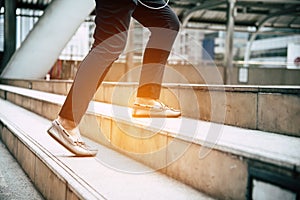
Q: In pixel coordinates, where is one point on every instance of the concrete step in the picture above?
(59, 175)
(253, 107)
(223, 161)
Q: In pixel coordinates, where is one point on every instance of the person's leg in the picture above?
(112, 22)
(163, 25)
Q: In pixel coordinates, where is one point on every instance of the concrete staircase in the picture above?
(229, 144)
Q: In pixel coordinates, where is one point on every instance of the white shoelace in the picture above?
(77, 140)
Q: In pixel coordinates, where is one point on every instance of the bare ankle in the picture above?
(67, 124)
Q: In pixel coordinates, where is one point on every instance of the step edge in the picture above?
(55, 166)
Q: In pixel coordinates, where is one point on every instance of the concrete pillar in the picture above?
(9, 31)
(43, 45)
(229, 42)
(129, 50)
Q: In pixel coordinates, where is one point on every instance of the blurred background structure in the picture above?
(253, 42)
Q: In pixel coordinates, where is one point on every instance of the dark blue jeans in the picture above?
(112, 24)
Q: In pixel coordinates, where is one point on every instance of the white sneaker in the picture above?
(74, 144)
(144, 107)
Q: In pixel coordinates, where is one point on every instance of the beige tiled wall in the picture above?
(147, 146)
(51, 186)
(26, 159)
(247, 107)
(222, 175)
(279, 113)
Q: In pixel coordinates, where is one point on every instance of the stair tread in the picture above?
(131, 181)
(269, 147)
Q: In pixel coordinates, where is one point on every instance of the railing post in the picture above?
(10, 31)
(229, 42)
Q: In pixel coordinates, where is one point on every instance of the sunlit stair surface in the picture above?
(60, 175)
(233, 164)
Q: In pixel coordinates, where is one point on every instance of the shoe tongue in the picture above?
(76, 134)
(158, 104)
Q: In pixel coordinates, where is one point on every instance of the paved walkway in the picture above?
(14, 183)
